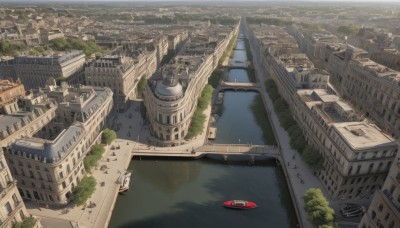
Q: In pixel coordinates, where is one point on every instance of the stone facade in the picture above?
(122, 71)
(171, 95)
(24, 117)
(35, 71)
(48, 170)
(384, 210)
(12, 206)
(358, 155)
(10, 91)
(372, 88)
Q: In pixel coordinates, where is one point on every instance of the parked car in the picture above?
(352, 210)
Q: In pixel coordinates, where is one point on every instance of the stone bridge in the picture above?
(236, 67)
(242, 149)
(238, 86)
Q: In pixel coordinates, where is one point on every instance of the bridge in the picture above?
(236, 67)
(239, 149)
(238, 86)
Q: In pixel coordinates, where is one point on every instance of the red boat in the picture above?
(239, 204)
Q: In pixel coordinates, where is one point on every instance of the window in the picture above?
(21, 214)
(380, 208)
(8, 208)
(373, 215)
(15, 199)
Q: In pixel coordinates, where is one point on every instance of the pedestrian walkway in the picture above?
(299, 176)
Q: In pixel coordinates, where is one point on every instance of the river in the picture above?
(189, 193)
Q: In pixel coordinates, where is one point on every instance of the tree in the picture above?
(142, 85)
(108, 136)
(318, 209)
(313, 158)
(84, 190)
(350, 29)
(29, 222)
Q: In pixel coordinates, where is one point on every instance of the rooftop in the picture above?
(361, 135)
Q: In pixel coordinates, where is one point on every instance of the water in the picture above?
(189, 193)
(237, 125)
(238, 75)
(239, 55)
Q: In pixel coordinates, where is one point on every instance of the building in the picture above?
(10, 91)
(13, 208)
(171, 95)
(48, 169)
(35, 71)
(385, 206)
(371, 87)
(24, 117)
(358, 155)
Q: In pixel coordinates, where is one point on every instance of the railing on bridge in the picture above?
(239, 149)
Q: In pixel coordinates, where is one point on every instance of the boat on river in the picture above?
(124, 181)
(239, 204)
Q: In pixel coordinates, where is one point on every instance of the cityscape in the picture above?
(184, 113)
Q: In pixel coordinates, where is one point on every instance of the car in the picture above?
(355, 213)
(350, 207)
(352, 210)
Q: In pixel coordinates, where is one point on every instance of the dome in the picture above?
(169, 91)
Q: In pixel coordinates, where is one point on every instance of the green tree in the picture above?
(142, 85)
(350, 29)
(84, 190)
(313, 158)
(94, 155)
(198, 118)
(29, 222)
(108, 136)
(317, 207)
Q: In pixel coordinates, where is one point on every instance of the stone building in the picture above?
(171, 96)
(122, 71)
(371, 87)
(13, 208)
(281, 59)
(383, 211)
(358, 155)
(48, 169)
(24, 117)
(35, 71)
(10, 91)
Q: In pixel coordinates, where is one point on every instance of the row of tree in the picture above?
(312, 157)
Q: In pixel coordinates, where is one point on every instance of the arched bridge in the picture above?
(244, 149)
(237, 67)
(238, 86)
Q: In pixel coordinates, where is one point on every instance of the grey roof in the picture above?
(49, 151)
(97, 101)
(9, 120)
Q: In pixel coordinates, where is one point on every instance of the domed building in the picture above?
(171, 95)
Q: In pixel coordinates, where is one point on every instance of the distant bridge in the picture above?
(239, 149)
(245, 86)
(236, 67)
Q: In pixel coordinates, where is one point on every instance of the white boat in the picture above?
(124, 181)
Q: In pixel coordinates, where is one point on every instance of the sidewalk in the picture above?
(290, 158)
(297, 169)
